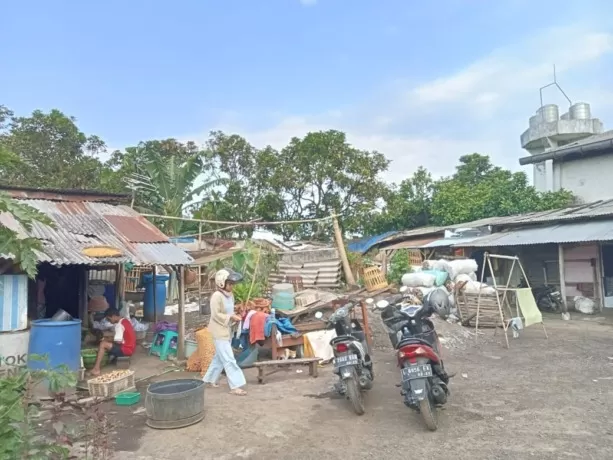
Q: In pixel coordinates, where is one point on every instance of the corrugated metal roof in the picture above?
(365, 244)
(79, 225)
(446, 242)
(601, 208)
(315, 274)
(579, 232)
(412, 244)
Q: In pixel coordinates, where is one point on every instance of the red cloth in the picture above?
(129, 338)
(256, 327)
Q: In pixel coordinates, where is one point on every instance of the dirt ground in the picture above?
(542, 399)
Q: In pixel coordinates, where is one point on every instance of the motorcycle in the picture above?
(352, 356)
(424, 381)
(547, 298)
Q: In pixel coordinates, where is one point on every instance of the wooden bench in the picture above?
(276, 364)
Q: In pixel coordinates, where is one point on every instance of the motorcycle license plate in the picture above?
(418, 371)
(346, 360)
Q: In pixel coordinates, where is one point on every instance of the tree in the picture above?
(13, 242)
(406, 205)
(479, 189)
(322, 174)
(246, 172)
(166, 183)
(52, 151)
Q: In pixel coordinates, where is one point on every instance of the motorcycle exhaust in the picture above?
(365, 382)
(439, 395)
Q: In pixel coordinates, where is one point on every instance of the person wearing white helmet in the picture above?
(220, 323)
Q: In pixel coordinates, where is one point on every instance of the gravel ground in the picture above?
(542, 399)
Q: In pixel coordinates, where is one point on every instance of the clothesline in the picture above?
(240, 224)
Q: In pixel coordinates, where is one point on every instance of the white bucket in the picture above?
(190, 347)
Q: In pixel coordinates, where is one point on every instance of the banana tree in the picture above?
(169, 184)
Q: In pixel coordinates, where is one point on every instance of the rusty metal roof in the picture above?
(79, 225)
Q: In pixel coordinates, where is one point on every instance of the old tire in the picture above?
(428, 413)
(355, 395)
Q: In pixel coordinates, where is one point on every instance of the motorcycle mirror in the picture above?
(403, 289)
(381, 304)
(369, 301)
(319, 315)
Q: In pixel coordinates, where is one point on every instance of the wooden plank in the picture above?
(285, 362)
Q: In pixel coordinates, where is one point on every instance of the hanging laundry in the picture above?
(257, 326)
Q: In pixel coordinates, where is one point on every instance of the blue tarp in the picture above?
(363, 245)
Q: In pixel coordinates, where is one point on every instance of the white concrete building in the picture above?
(570, 152)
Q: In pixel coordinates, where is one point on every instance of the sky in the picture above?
(422, 82)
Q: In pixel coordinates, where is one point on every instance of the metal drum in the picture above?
(174, 403)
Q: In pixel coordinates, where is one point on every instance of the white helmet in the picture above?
(224, 275)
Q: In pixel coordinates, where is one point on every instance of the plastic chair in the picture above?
(164, 349)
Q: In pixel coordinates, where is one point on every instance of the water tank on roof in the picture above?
(534, 121)
(548, 113)
(565, 116)
(580, 111)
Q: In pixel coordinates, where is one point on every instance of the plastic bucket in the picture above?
(190, 347)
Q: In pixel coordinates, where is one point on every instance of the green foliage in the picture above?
(255, 264)
(51, 150)
(18, 436)
(12, 242)
(310, 178)
(163, 176)
(399, 265)
(231, 180)
(477, 190)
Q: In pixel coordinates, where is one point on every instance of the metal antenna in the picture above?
(554, 83)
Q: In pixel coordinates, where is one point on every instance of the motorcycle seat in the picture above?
(342, 338)
(412, 341)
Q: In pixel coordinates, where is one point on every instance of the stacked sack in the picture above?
(447, 275)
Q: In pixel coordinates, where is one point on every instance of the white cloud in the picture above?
(481, 108)
(527, 66)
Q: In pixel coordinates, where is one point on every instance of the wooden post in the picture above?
(562, 279)
(366, 323)
(341, 250)
(384, 261)
(153, 280)
(181, 325)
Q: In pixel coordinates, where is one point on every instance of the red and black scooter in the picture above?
(423, 377)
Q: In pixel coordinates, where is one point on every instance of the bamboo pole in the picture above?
(341, 250)
(181, 325)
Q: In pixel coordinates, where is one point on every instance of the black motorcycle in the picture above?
(547, 298)
(352, 356)
(424, 381)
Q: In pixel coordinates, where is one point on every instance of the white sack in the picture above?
(461, 266)
(442, 265)
(463, 278)
(418, 280)
(473, 287)
(584, 305)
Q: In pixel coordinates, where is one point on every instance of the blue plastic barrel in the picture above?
(60, 341)
(109, 294)
(160, 296)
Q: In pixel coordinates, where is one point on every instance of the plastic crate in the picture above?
(108, 389)
(127, 398)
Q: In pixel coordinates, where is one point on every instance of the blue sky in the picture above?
(422, 82)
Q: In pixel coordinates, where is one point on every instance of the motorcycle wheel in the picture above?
(355, 395)
(428, 413)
